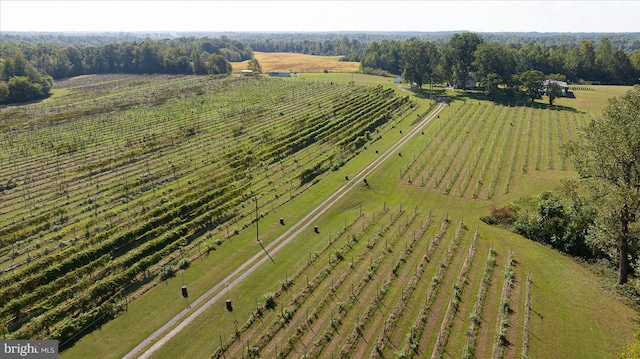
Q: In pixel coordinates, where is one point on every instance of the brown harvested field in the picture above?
(285, 61)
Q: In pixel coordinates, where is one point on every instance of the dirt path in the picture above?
(399, 86)
(162, 335)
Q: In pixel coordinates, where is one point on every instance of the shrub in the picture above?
(183, 263)
(167, 272)
(209, 247)
(269, 300)
(503, 216)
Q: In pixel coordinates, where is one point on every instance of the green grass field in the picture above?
(398, 265)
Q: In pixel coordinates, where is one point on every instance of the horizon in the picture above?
(327, 16)
(311, 32)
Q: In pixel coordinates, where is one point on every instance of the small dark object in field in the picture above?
(315, 229)
(282, 221)
(184, 291)
(346, 178)
(229, 306)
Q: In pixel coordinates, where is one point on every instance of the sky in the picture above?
(321, 15)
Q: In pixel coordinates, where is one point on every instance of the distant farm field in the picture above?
(285, 61)
(120, 190)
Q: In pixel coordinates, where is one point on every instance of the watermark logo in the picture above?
(32, 349)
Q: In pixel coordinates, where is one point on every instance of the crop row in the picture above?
(145, 182)
(387, 285)
(483, 150)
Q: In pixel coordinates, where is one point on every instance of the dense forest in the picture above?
(494, 64)
(495, 61)
(200, 56)
(627, 42)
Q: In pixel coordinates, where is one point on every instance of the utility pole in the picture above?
(258, 232)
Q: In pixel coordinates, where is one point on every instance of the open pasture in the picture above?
(285, 61)
(115, 185)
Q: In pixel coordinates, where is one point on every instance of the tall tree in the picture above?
(587, 59)
(623, 72)
(492, 58)
(553, 91)
(461, 49)
(254, 65)
(532, 81)
(605, 62)
(419, 59)
(606, 156)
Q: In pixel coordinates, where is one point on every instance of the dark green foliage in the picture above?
(21, 82)
(503, 216)
(560, 222)
(532, 81)
(459, 57)
(553, 91)
(605, 156)
(495, 65)
(418, 61)
(183, 263)
(496, 62)
(201, 56)
(167, 272)
(67, 333)
(269, 300)
(384, 55)
(310, 173)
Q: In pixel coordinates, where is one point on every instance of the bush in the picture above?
(208, 248)
(269, 300)
(503, 216)
(167, 272)
(184, 263)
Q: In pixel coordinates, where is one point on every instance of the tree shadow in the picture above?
(505, 99)
(437, 93)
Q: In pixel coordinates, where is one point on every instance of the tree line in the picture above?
(44, 61)
(21, 82)
(177, 56)
(506, 62)
(627, 42)
(494, 65)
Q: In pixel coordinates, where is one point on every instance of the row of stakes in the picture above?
(185, 292)
(229, 305)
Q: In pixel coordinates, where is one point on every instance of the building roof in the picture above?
(562, 84)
